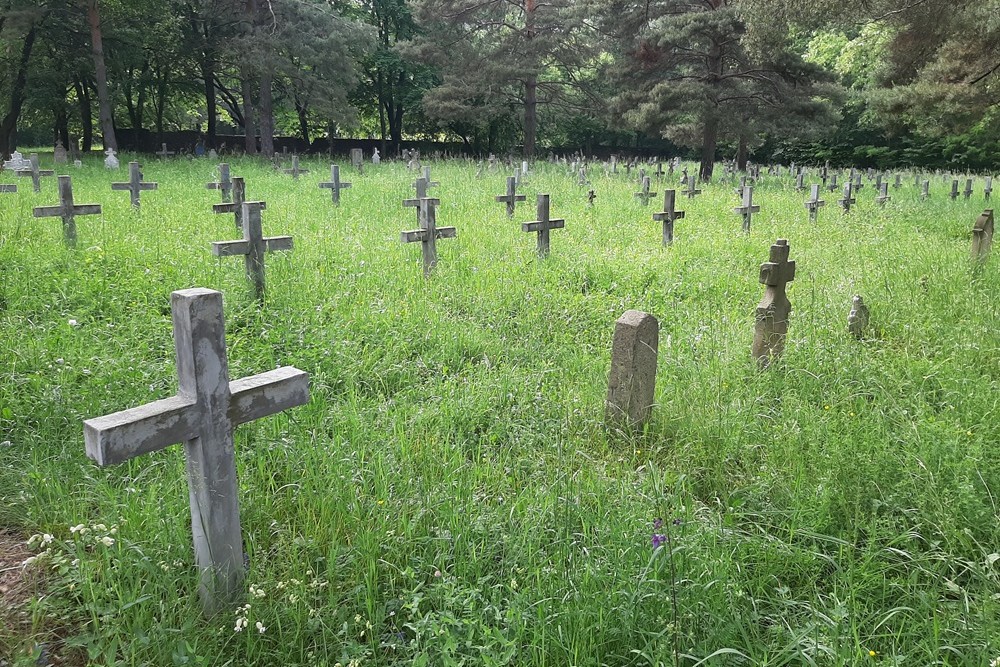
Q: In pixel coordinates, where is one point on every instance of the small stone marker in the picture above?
(543, 225)
(644, 194)
(883, 194)
(581, 178)
(814, 203)
(898, 183)
(203, 414)
(224, 184)
(669, 215)
(848, 199)
(632, 379)
(747, 209)
(35, 172)
(135, 184)
(982, 237)
(110, 161)
(376, 158)
(857, 319)
(59, 155)
(358, 159)
(954, 189)
(253, 246)
(832, 187)
(213, 154)
(429, 233)
(925, 192)
(774, 308)
(163, 152)
(236, 206)
(988, 187)
(691, 192)
(295, 170)
(511, 198)
(67, 210)
(968, 188)
(335, 186)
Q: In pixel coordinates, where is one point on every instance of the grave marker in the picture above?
(747, 209)
(35, 172)
(883, 194)
(988, 187)
(857, 319)
(110, 161)
(67, 210)
(814, 203)
(644, 194)
(511, 198)
(295, 170)
(898, 183)
(202, 416)
(771, 325)
(954, 189)
(832, 187)
(224, 184)
(163, 152)
(982, 237)
(135, 184)
(691, 192)
(335, 186)
(968, 188)
(59, 155)
(848, 199)
(358, 159)
(632, 378)
(427, 177)
(543, 225)
(420, 185)
(669, 215)
(253, 246)
(429, 233)
(800, 182)
(925, 193)
(236, 206)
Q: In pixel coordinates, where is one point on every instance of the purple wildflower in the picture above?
(658, 540)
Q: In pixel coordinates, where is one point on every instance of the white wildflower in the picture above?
(260, 627)
(107, 541)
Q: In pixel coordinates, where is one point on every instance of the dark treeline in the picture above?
(859, 82)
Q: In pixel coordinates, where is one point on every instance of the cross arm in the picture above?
(230, 248)
(124, 435)
(273, 243)
(445, 233)
(231, 208)
(539, 225)
(413, 236)
(267, 393)
(121, 186)
(47, 211)
(672, 215)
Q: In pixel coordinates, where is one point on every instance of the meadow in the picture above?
(451, 495)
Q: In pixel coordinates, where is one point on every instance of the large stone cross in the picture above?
(511, 198)
(774, 308)
(35, 172)
(163, 152)
(429, 233)
(202, 416)
(848, 199)
(814, 203)
(335, 185)
(982, 236)
(747, 209)
(67, 210)
(224, 184)
(253, 246)
(644, 194)
(295, 170)
(236, 206)
(669, 215)
(135, 184)
(544, 224)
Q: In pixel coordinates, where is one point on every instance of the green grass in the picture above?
(450, 495)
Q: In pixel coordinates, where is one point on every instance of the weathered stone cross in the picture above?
(544, 224)
(739, 190)
(898, 183)
(253, 245)
(988, 187)
(429, 233)
(848, 199)
(420, 185)
(644, 194)
(224, 183)
(236, 206)
(67, 210)
(691, 191)
(511, 198)
(954, 189)
(202, 416)
(335, 186)
(747, 209)
(163, 152)
(883, 194)
(832, 187)
(814, 203)
(925, 193)
(774, 308)
(800, 182)
(669, 215)
(35, 172)
(968, 188)
(295, 170)
(135, 184)
(982, 237)
(427, 177)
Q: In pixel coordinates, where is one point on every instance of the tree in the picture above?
(105, 109)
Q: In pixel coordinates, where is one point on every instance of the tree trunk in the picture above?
(101, 72)
(266, 109)
(742, 153)
(396, 118)
(302, 111)
(710, 137)
(86, 115)
(61, 127)
(249, 112)
(208, 76)
(8, 126)
(530, 86)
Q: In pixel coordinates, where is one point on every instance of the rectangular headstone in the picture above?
(632, 379)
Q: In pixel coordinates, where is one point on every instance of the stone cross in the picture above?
(800, 182)
(878, 180)
(543, 225)
(691, 191)
(163, 152)
(747, 209)
(7, 188)
(202, 416)
(581, 178)
(823, 173)
(883, 194)
(511, 198)
(420, 185)
(295, 170)
(669, 215)
(739, 190)
(632, 379)
(968, 188)
(916, 180)
(857, 319)
(848, 199)
(358, 158)
(236, 206)
(253, 246)
(67, 210)
(774, 308)
(898, 183)
(427, 177)
(858, 184)
(335, 186)
(644, 194)
(135, 184)
(925, 192)
(591, 196)
(954, 189)
(814, 203)
(982, 236)
(35, 173)
(224, 184)
(832, 187)
(988, 187)
(429, 233)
